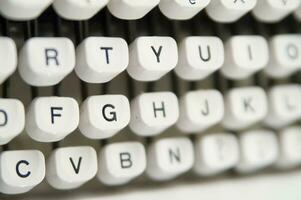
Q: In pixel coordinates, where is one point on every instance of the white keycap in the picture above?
(245, 55)
(274, 10)
(130, 10)
(199, 57)
(289, 148)
(46, 61)
(244, 107)
(169, 158)
(71, 167)
(23, 10)
(200, 110)
(8, 57)
(152, 57)
(284, 105)
(103, 116)
(285, 55)
(78, 9)
(100, 59)
(12, 119)
(215, 153)
(258, 149)
(51, 119)
(20, 171)
(152, 113)
(182, 9)
(120, 163)
(229, 11)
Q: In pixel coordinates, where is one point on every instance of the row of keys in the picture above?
(218, 10)
(165, 159)
(50, 119)
(46, 61)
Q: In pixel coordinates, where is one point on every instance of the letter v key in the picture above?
(76, 168)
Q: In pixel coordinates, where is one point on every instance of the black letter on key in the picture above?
(248, 105)
(157, 53)
(192, 2)
(292, 51)
(162, 109)
(250, 52)
(125, 160)
(76, 168)
(106, 49)
(174, 156)
(113, 114)
(24, 162)
(206, 111)
(5, 117)
(208, 54)
(55, 114)
(51, 54)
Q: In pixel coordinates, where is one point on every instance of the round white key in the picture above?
(182, 9)
(169, 158)
(285, 55)
(120, 163)
(258, 150)
(152, 113)
(274, 10)
(199, 57)
(46, 61)
(8, 58)
(284, 105)
(78, 9)
(245, 55)
(215, 153)
(244, 107)
(289, 148)
(103, 116)
(200, 110)
(130, 10)
(100, 59)
(21, 170)
(23, 10)
(229, 11)
(152, 57)
(50, 119)
(12, 119)
(71, 167)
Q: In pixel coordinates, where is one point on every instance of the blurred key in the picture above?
(200, 110)
(258, 150)
(284, 105)
(289, 148)
(169, 158)
(245, 55)
(274, 10)
(229, 11)
(285, 55)
(215, 153)
(182, 9)
(244, 107)
(23, 10)
(130, 10)
(78, 9)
